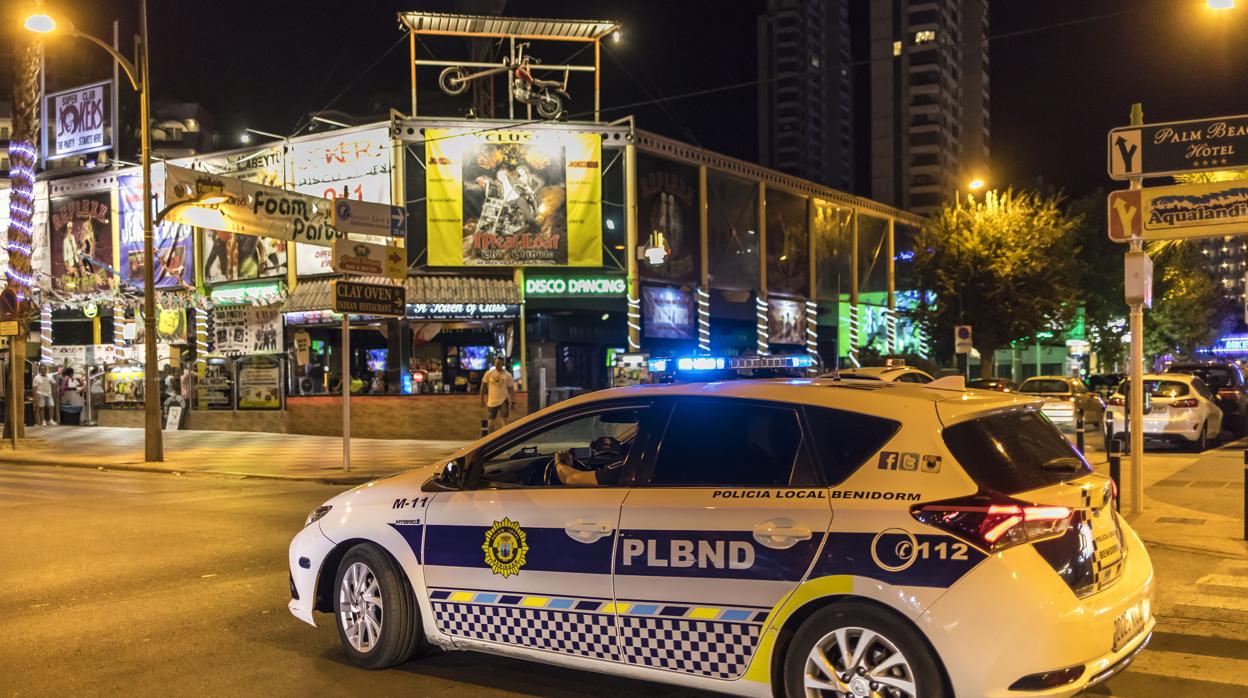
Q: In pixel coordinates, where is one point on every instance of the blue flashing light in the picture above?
(657, 365)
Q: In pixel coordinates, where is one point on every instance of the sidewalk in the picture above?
(241, 454)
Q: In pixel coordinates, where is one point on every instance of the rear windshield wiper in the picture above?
(1066, 463)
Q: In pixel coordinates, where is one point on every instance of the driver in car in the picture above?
(608, 474)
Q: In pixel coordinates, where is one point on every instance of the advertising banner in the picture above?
(82, 242)
(246, 330)
(668, 313)
(259, 382)
(786, 323)
(76, 121)
(667, 197)
(230, 257)
(513, 198)
(172, 242)
(353, 165)
(170, 326)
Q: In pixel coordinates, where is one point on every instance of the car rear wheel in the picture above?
(1202, 441)
(853, 650)
(377, 617)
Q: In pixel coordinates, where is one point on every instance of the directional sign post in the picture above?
(1178, 147)
(1179, 211)
(366, 259)
(369, 218)
(363, 299)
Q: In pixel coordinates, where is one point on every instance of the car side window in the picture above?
(912, 378)
(729, 443)
(843, 440)
(1202, 389)
(601, 439)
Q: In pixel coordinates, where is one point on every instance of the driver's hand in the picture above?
(569, 475)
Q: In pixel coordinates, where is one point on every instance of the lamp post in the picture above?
(153, 448)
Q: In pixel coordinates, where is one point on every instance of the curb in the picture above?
(321, 479)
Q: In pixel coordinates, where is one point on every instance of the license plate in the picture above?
(1158, 409)
(1130, 623)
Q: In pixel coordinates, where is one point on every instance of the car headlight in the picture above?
(317, 514)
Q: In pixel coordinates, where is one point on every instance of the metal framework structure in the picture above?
(511, 29)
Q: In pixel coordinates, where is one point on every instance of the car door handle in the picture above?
(586, 530)
(780, 534)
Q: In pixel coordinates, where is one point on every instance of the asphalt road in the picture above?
(150, 584)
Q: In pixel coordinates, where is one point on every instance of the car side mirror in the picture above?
(452, 474)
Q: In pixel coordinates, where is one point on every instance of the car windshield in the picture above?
(1044, 385)
(1157, 388)
(1015, 452)
(1214, 376)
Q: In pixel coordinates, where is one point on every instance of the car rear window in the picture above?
(845, 440)
(1044, 386)
(1215, 377)
(1158, 388)
(1014, 452)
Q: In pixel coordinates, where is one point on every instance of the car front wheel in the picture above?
(855, 649)
(378, 621)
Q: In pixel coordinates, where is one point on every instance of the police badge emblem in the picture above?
(505, 547)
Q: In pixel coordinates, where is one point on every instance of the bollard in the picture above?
(1079, 429)
(485, 427)
(1115, 468)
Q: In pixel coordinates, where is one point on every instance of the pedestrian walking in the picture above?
(498, 393)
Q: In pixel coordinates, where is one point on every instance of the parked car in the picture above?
(1001, 385)
(1180, 409)
(1062, 396)
(1104, 384)
(888, 374)
(1226, 380)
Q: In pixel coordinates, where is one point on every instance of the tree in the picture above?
(1188, 307)
(1004, 266)
(1100, 279)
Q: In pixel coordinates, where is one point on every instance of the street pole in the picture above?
(1136, 396)
(630, 245)
(346, 392)
(153, 446)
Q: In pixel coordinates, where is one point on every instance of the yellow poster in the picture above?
(513, 198)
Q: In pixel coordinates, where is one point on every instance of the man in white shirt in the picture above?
(42, 385)
(498, 391)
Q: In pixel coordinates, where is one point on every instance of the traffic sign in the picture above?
(368, 299)
(1179, 211)
(8, 328)
(962, 339)
(1124, 215)
(1178, 147)
(365, 259)
(369, 218)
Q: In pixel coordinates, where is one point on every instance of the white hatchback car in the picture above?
(791, 537)
(1181, 410)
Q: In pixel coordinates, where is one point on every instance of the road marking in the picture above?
(1195, 667)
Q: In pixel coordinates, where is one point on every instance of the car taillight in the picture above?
(1230, 394)
(1116, 402)
(1186, 402)
(995, 522)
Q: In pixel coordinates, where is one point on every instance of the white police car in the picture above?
(778, 537)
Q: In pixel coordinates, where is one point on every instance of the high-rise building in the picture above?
(928, 100)
(805, 92)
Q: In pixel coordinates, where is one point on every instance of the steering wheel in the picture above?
(551, 475)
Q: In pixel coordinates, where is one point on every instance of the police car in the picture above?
(799, 537)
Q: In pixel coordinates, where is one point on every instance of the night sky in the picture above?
(1055, 92)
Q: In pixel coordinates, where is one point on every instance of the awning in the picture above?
(314, 294)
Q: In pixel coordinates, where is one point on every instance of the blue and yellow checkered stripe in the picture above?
(621, 608)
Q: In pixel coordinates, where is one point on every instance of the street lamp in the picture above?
(975, 184)
(1220, 4)
(153, 448)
